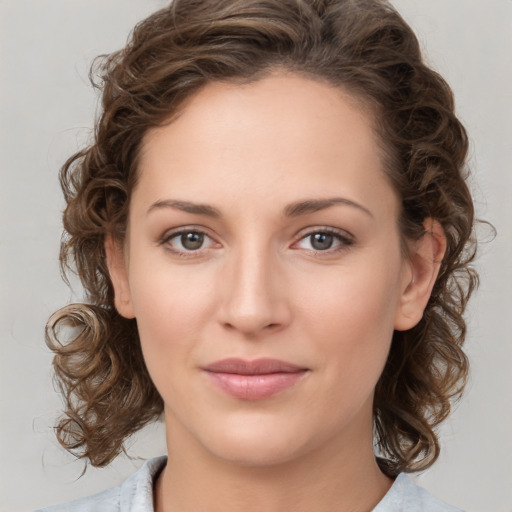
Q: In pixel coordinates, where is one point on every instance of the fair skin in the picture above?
(264, 226)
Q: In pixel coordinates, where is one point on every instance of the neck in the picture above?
(342, 476)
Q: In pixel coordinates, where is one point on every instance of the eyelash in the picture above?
(344, 241)
(178, 233)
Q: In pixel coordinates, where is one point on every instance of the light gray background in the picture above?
(47, 107)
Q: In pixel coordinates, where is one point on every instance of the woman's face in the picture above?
(263, 266)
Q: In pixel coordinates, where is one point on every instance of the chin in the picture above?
(252, 440)
(255, 453)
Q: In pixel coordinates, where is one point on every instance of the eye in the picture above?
(187, 241)
(325, 240)
(321, 241)
(191, 241)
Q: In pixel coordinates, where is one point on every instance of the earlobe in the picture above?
(118, 275)
(426, 255)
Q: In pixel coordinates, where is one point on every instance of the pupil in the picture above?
(192, 241)
(321, 241)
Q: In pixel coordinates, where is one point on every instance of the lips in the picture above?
(254, 380)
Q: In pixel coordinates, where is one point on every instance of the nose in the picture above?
(255, 299)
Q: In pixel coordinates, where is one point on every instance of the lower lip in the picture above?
(255, 387)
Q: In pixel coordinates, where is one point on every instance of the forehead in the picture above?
(283, 132)
(282, 102)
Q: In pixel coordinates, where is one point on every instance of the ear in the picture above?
(425, 257)
(119, 276)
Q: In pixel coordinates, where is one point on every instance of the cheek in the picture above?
(349, 313)
(168, 314)
(170, 305)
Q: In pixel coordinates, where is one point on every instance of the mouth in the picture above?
(254, 380)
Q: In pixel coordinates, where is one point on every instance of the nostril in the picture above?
(251, 329)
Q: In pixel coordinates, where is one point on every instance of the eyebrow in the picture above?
(186, 206)
(315, 205)
(292, 210)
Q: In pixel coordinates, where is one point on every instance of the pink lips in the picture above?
(253, 380)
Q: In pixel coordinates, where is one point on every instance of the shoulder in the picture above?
(406, 496)
(135, 493)
(106, 501)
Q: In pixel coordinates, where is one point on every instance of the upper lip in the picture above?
(262, 366)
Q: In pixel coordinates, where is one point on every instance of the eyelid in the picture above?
(345, 238)
(175, 232)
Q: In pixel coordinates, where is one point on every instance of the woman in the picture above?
(273, 231)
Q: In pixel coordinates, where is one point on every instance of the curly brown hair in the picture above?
(362, 46)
